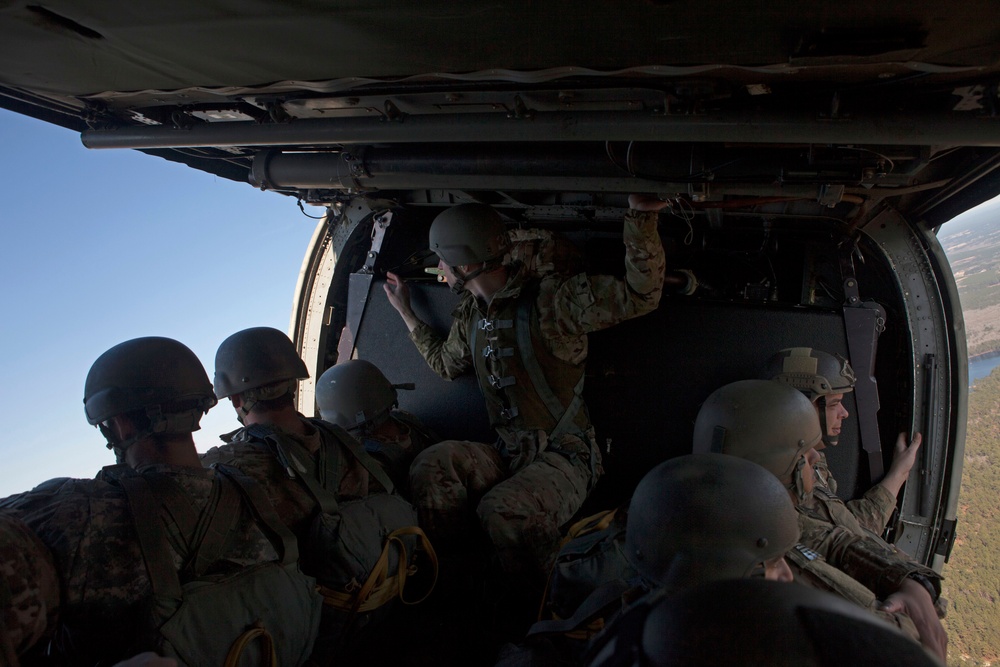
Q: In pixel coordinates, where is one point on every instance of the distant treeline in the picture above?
(972, 575)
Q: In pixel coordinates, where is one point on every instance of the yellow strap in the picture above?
(257, 631)
(590, 524)
(380, 588)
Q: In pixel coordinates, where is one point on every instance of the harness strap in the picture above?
(215, 526)
(267, 519)
(152, 537)
(358, 450)
(563, 416)
(601, 597)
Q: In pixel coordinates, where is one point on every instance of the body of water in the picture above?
(980, 368)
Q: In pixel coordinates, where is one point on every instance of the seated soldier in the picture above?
(29, 590)
(756, 622)
(777, 427)
(156, 545)
(824, 379)
(356, 396)
(325, 487)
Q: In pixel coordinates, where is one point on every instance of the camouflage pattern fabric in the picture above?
(395, 452)
(295, 506)
(520, 513)
(89, 530)
(866, 558)
(872, 511)
(810, 569)
(570, 308)
(29, 589)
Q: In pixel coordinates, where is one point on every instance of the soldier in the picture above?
(139, 550)
(755, 622)
(824, 379)
(334, 495)
(778, 428)
(356, 396)
(711, 517)
(29, 590)
(525, 339)
(258, 370)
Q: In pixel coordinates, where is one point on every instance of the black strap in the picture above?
(215, 526)
(599, 598)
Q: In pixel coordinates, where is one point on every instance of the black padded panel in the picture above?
(455, 409)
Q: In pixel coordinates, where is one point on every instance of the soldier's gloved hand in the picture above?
(914, 600)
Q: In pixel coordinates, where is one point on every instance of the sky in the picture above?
(99, 247)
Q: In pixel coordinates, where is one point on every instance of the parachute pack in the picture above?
(360, 551)
(264, 614)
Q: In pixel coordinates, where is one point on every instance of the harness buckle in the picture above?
(509, 413)
(500, 382)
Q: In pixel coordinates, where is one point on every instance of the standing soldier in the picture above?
(525, 338)
(356, 396)
(154, 547)
(824, 379)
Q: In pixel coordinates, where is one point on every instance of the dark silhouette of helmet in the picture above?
(157, 375)
(354, 393)
(255, 358)
(469, 234)
(813, 372)
(704, 517)
(762, 421)
(754, 622)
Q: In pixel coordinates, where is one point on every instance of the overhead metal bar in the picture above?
(936, 129)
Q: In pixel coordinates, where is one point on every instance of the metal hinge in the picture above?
(946, 539)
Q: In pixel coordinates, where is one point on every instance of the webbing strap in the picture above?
(306, 472)
(152, 537)
(241, 643)
(215, 525)
(179, 506)
(563, 416)
(358, 450)
(267, 519)
(379, 587)
(601, 597)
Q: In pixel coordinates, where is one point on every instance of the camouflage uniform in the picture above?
(395, 453)
(87, 526)
(258, 459)
(29, 589)
(811, 570)
(872, 511)
(865, 557)
(551, 476)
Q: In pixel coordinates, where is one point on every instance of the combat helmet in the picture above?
(469, 234)
(356, 395)
(703, 517)
(759, 622)
(816, 374)
(259, 364)
(159, 378)
(762, 421)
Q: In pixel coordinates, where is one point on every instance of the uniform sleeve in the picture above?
(874, 509)
(866, 560)
(448, 357)
(587, 303)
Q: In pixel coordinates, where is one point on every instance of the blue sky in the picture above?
(103, 246)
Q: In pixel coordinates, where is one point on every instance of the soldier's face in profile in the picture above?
(446, 273)
(777, 569)
(836, 413)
